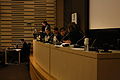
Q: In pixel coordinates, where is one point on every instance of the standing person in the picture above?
(24, 46)
(24, 51)
(45, 26)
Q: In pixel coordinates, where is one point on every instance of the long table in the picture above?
(64, 63)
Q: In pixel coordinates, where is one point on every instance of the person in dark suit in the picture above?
(48, 37)
(24, 46)
(71, 34)
(24, 51)
(64, 35)
(56, 37)
(45, 26)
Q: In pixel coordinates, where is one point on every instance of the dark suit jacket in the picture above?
(25, 48)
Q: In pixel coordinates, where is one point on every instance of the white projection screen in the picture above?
(104, 14)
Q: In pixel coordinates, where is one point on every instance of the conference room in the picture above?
(59, 40)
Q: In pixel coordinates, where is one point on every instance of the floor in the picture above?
(14, 72)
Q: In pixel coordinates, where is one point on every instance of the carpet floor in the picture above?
(14, 72)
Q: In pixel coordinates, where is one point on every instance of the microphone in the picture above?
(51, 36)
(82, 33)
(93, 43)
(91, 48)
(64, 36)
(76, 45)
(80, 39)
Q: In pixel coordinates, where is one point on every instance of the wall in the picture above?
(82, 9)
(59, 13)
(15, 14)
(104, 14)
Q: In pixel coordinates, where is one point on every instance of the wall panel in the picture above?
(15, 14)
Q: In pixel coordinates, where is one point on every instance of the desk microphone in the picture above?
(82, 33)
(93, 43)
(76, 45)
(80, 39)
(64, 36)
(93, 48)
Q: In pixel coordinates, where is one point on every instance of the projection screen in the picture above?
(104, 14)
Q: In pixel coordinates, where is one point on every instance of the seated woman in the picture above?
(74, 34)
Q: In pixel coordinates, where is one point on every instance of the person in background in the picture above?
(56, 37)
(24, 50)
(45, 26)
(48, 38)
(24, 46)
(64, 36)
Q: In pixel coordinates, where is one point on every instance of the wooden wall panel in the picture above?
(15, 14)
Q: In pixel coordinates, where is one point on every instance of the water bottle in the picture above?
(46, 38)
(86, 44)
(54, 39)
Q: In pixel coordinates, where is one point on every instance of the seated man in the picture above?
(73, 36)
(64, 36)
(56, 38)
(48, 38)
(40, 36)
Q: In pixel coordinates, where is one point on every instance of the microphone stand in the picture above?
(91, 48)
(64, 37)
(93, 43)
(80, 39)
(76, 45)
